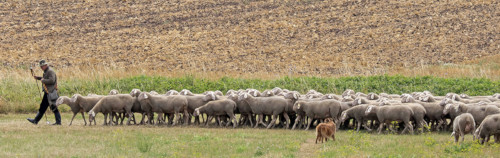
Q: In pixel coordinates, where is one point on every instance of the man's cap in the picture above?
(43, 62)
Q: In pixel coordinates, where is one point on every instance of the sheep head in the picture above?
(143, 96)
(153, 93)
(61, 100)
(343, 116)
(370, 109)
(219, 93)
(91, 115)
(135, 92)
(113, 92)
(196, 112)
(172, 92)
(447, 109)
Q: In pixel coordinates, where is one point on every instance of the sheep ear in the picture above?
(245, 96)
(296, 96)
(213, 96)
(359, 101)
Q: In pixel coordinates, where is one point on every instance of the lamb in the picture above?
(85, 103)
(325, 130)
(174, 104)
(490, 126)
(266, 106)
(462, 125)
(386, 114)
(218, 108)
(114, 103)
(319, 109)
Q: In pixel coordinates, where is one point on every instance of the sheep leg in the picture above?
(287, 119)
(74, 114)
(273, 122)
(365, 126)
(381, 126)
(297, 120)
(105, 119)
(235, 123)
(177, 118)
(309, 123)
(83, 116)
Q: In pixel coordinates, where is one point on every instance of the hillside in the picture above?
(239, 36)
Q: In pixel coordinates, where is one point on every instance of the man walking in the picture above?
(49, 84)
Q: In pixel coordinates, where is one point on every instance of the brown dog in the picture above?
(325, 130)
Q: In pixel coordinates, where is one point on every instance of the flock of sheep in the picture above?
(418, 111)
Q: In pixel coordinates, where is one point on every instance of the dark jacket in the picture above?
(49, 79)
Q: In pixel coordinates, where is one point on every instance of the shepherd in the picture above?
(49, 84)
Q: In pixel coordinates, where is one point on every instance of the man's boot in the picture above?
(36, 119)
(58, 118)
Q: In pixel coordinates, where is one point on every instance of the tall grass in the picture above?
(22, 95)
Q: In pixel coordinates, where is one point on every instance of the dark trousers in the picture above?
(43, 107)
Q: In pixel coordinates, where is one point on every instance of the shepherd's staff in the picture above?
(38, 89)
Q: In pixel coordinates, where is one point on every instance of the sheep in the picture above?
(326, 130)
(186, 92)
(267, 93)
(359, 101)
(490, 126)
(266, 106)
(174, 104)
(319, 109)
(85, 103)
(113, 103)
(172, 92)
(154, 93)
(434, 110)
(113, 92)
(479, 112)
(462, 125)
(372, 96)
(386, 114)
(195, 101)
(218, 108)
(75, 108)
(358, 113)
(243, 109)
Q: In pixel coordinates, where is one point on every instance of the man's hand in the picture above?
(37, 77)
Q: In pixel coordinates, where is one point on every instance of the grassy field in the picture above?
(22, 139)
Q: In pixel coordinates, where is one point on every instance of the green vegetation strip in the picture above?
(22, 96)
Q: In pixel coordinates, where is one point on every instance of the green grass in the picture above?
(21, 139)
(21, 96)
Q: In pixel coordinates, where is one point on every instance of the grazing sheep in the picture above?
(358, 113)
(186, 92)
(326, 130)
(462, 125)
(372, 96)
(113, 92)
(359, 101)
(319, 109)
(174, 104)
(266, 106)
(218, 108)
(490, 126)
(387, 114)
(113, 103)
(434, 110)
(85, 103)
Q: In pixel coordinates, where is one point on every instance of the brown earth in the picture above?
(308, 37)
